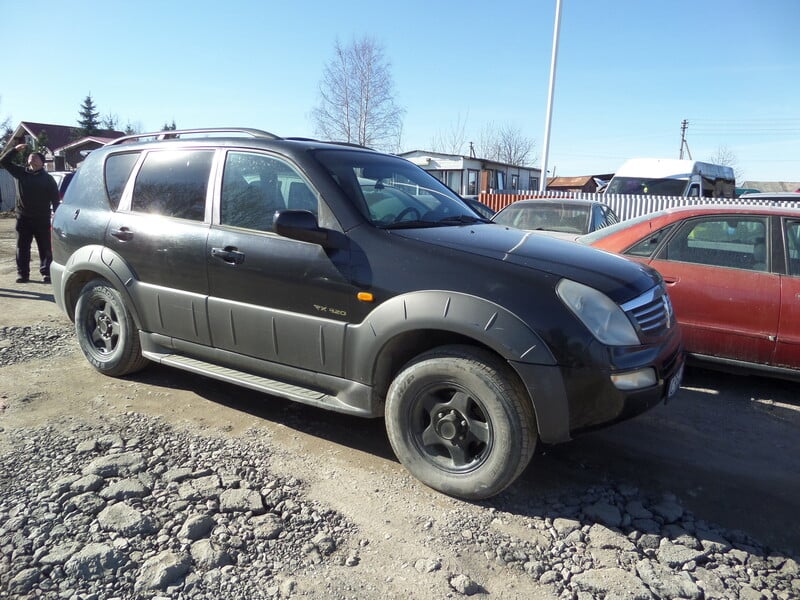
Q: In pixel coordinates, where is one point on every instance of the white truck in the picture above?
(673, 177)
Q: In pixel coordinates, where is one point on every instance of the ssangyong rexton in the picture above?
(355, 281)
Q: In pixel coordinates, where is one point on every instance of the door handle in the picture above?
(229, 254)
(123, 234)
(670, 280)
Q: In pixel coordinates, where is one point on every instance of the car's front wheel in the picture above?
(461, 422)
(106, 331)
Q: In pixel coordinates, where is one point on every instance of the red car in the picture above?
(733, 275)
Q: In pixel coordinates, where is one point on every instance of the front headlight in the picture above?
(602, 316)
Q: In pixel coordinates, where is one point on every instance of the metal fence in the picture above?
(628, 206)
(8, 191)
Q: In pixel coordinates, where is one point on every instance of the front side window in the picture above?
(173, 184)
(722, 241)
(646, 247)
(255, 186)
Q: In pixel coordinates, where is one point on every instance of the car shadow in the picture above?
(723, 454)
(367, 435)
(727, 447)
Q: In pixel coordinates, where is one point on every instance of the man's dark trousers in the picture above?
(29, 229)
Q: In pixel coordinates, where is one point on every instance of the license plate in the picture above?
(675, 383)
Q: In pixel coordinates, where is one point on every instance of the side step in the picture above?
(257, 382)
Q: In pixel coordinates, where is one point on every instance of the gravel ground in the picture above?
(132, 507)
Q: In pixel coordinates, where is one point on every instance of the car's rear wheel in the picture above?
(461, 422)
(106, 331)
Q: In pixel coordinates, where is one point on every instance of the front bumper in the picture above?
(572, 400)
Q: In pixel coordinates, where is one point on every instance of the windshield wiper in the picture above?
(445, 222)
(463, 220)
(411, 224)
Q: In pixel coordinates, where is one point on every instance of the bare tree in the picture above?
(109, 122)
(452, 140)
(357, 98)
(506, 144)
(724, 156)
(5, 131)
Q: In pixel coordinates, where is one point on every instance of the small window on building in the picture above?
(514, 182)
(472, 183)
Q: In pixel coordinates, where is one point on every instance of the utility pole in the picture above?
(548, 120)
(684, 143)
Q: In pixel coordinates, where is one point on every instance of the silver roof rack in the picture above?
(207, 132)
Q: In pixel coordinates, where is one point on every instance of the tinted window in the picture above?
(117, 170)
(173, 184)
(735, 242)
(254, 186)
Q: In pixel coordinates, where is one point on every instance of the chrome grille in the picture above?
(651, 312)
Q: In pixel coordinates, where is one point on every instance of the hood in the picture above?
(617, 277)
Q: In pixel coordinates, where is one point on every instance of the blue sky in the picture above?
(628, 72)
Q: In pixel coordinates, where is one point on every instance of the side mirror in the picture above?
(299, 225)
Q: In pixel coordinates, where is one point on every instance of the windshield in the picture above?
(394, 193)
(547, 216)
(594, 236)
(643, 185)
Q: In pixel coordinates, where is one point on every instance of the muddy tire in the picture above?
(460, 421)
(106, 331)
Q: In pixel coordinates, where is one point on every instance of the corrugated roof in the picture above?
(569, 181)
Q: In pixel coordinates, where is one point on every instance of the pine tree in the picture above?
(89, 118)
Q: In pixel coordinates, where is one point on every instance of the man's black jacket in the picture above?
(38, 191)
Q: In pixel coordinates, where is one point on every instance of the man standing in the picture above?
(38, 194)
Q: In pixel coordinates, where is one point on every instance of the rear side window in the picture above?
(173, 184)
(117, 170)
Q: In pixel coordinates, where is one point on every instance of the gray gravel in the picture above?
(18, 344)
(135, 508)
(139, 508)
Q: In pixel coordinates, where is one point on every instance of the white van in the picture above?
(673, 177)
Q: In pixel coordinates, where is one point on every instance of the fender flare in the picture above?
(464, 314)
(104, 263)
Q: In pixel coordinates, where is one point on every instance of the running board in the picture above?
(257, 382)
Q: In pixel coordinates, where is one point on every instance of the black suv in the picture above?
(354, 281)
